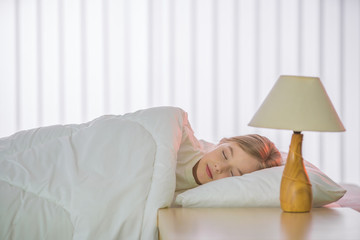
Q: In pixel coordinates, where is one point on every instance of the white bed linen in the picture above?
(104, 179)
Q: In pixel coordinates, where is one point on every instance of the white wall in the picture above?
(69, 61)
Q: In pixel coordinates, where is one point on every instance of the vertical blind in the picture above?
(69, 61)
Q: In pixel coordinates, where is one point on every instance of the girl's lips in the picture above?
(208, 171)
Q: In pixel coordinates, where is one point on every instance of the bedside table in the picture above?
(257, 223)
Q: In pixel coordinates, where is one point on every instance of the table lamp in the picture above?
(297, 103)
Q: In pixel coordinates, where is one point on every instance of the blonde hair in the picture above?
(259, 147)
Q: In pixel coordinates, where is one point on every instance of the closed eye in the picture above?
(224, 155)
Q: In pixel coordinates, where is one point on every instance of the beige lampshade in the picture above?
(300, 104)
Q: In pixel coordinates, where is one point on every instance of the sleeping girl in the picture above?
(107, 178)
(200, 162)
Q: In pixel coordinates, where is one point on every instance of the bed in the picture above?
(111, 178)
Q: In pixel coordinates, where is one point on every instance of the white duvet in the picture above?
(104, 179)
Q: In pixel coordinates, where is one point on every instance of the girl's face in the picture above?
(226, 160)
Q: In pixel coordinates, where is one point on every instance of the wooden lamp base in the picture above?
(295, 189)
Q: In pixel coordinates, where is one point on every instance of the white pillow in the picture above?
(258, 189)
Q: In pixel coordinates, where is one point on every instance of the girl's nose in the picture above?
(221, 167)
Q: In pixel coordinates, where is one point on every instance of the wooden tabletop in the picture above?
(258, 223)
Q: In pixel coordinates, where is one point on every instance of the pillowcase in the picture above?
(258, 189)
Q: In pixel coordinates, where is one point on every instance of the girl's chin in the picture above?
(196, 173)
